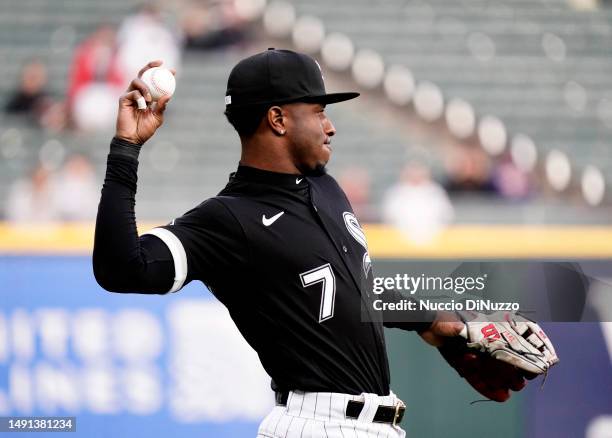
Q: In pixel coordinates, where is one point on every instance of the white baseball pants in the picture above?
(322, 415)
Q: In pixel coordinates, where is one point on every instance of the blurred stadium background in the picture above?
(483, 131)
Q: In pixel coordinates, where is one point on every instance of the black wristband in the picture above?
(119, 146)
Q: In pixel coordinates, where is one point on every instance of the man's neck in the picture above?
(267, 155)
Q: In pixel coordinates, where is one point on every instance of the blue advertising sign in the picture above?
(123, 364)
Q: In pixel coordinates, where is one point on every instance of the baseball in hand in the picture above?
(160, 81)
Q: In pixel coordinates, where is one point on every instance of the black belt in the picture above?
(384, 414)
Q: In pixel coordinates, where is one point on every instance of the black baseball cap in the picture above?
(278, 76)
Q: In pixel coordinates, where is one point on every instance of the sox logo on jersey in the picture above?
(355, 230)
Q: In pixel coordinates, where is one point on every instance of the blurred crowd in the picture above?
(419, 204)
(102, 65)
(105, 61)
(68, 194)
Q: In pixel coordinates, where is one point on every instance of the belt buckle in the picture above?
(396, 416)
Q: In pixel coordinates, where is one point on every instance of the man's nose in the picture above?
(330, 130)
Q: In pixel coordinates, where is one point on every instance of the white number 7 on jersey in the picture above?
(325, 275)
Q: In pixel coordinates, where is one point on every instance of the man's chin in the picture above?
(318, 170)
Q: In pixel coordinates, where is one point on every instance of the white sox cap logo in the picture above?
(319, 65)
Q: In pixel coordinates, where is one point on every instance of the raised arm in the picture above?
(123, 262)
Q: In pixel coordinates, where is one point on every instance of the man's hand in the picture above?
(490, 355)
(491, 377)
(138, 125)
(446, 325)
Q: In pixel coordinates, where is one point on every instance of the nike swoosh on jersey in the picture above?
(298, 180)
(267, 222)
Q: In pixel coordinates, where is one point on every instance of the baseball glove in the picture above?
(495, 353)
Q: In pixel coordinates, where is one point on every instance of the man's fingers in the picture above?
(138, 84)
(151, 64)
(447, 328)
(132, 98)
(162, 103)
(517, 383)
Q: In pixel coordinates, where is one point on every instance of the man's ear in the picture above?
(276, 120)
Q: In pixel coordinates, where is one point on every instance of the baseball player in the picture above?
(280, 247)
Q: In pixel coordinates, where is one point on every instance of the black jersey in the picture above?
(286, 256)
